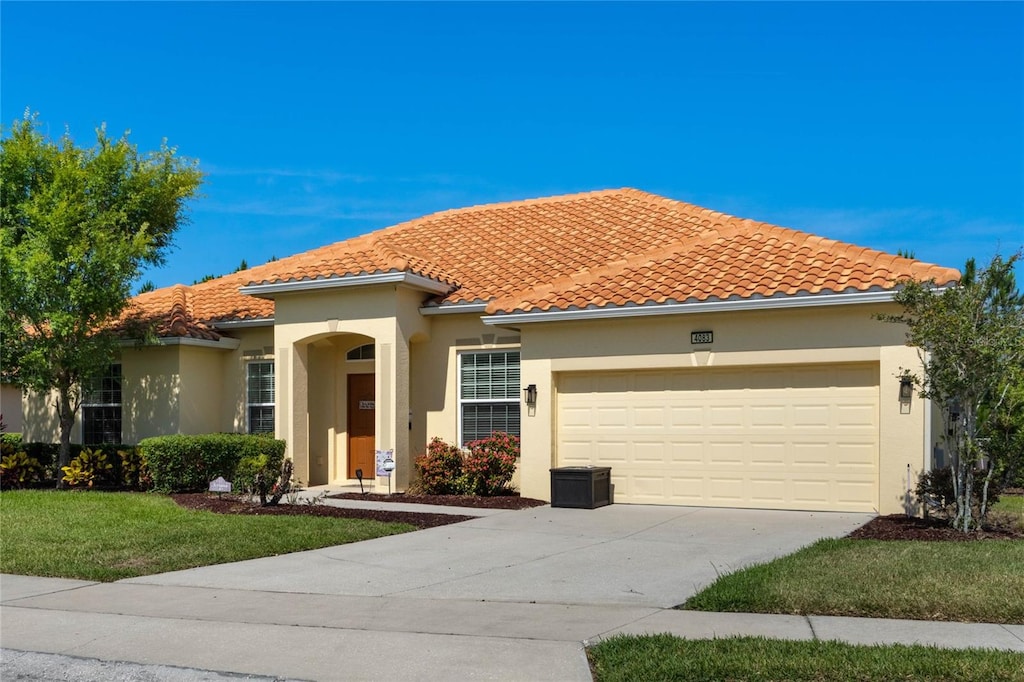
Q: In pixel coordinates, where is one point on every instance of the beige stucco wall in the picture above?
(435, 369)
(40, 423)
(166, 389)
(10, 408)
(151, 395)
(254, 344)
(825, 335)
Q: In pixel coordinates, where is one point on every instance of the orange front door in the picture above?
(361, 410)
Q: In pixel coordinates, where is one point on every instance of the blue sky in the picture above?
(886, 125)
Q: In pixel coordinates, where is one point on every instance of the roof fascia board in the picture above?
(243, 324)
(225, 343)
(407, 278)
(454, 309)
(705, 307)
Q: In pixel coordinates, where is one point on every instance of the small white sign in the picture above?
(367, 404)
(219, 485)
(383, 457)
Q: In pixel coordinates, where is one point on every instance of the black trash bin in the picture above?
(581, 487)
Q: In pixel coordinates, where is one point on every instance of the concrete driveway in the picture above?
(617, 555)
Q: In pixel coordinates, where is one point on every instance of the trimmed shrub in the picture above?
(12, 439)
(490, 464)
(440, 469)
(189, 463)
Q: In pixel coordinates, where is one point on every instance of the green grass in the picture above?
(110, 536)
(1013, 504)
(976, 581)
(626, 658)
(1009, 511)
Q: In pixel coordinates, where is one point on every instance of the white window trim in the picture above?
(479, 401)
(248, 405)
(84, 405)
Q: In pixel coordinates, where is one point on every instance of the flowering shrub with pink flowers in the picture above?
(485, 469)
(440, 469)
(490, 463)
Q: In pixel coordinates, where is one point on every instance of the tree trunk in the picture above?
(66, 416)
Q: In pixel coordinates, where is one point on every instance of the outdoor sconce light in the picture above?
(906, 389)
(531, 395)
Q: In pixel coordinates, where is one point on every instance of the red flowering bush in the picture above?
(440, 469)
(490, 464)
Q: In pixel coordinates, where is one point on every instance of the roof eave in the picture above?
(407, 278)
(805, 301)
(224, 343)
(243, 324)
(454, 309)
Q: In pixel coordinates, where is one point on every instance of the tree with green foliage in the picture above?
(970, 338)
(79, 225)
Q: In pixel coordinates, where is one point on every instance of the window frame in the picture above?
(249, 404)
(89, 404)
(366, 351)
(515, 400)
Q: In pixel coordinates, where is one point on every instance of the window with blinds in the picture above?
(488, 394)
(101, 408)
(260, 397)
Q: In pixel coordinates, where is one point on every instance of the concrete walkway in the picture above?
(510, 596)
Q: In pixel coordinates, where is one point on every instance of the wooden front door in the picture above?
(361, 411)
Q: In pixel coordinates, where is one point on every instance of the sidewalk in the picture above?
(332, 637)
(508, 596)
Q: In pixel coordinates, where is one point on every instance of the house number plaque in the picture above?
(697, 338)
(367, 404)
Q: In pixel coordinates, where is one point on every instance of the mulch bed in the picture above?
(475, 501)
(231, 504)
(892, 527)
(901, 527)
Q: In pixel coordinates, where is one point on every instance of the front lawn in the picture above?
(972, 581)
(110, 536)
(1010, 511)
(664, 657)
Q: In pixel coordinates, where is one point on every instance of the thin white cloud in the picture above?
(935, 236)
(327, 176)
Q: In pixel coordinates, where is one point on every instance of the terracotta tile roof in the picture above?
(596, 249)
(171, 312)
(744, 260)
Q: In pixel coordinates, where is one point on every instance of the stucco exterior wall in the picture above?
(435, 378)
(40, 423)
(255, 343)
(824, 335)
(10, 408)
(150, 392)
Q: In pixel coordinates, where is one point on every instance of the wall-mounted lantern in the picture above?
(531, 395)
(906, 389)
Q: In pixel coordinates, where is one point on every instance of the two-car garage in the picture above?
(772, 437)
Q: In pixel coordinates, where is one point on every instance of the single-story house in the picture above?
(707, 359)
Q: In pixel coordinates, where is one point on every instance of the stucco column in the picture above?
(904, 432)
(392, 415)
(294, 417)
(537, 429)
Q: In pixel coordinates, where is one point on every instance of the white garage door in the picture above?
(803, 437)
